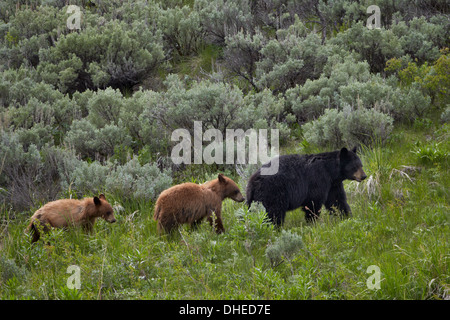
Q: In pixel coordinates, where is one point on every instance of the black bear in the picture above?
(306, 181)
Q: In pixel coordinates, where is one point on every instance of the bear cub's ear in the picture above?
(222, 178)
(102, 196)
(354, 150)
(97, 201)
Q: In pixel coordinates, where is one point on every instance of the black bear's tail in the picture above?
(249, 193)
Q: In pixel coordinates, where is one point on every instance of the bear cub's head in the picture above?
(351, 166)
(104, 209)
(230, 189)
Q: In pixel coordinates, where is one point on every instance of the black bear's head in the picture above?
(350, 165)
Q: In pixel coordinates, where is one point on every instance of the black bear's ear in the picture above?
(354, 149)
(343, 152)
(221, 178)
(102, 196)
(97, 201)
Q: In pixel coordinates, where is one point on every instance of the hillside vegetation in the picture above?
(91, 110)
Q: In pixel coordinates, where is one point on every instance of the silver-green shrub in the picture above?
(221, 18)
(218, 105)
(445, 116)
(182, 32)
(294, 56)
(346, 81)
(111, 54)
(135, 181)
(242, 52)
(348, 127)
(131, 180)
(29, 173)
(284, 248)
(85, 179)
(90, 142)
(308, 101)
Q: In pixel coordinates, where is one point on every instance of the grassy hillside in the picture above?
(400, 223)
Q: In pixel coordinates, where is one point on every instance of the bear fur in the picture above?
(189, 203)
(66, 213)
(307, 181)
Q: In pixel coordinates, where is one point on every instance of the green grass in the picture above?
(194, 66)
(400, 223)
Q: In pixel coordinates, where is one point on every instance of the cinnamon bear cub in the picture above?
(71, 213)
(190, 203)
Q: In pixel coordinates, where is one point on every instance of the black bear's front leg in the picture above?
(337, 199)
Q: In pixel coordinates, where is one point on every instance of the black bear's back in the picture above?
(287, 180)
(295, 173)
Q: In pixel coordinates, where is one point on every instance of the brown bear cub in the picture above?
(71, 213)
(190, 203)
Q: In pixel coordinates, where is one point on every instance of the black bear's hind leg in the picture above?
(276, 216)
(312, 212)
